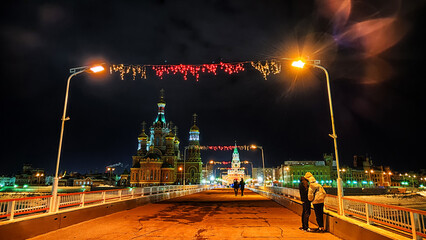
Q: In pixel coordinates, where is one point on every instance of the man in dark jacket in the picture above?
(242, 183)
(306, 212)
(236, 186)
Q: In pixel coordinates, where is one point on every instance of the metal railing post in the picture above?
(51, 204)
(413, 225)
(58, 201)
(119, 193)
(367, 213)
(82, 199)
(103, 197)
(11, 209)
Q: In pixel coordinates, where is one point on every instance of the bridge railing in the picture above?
(11, 208)
(410, 221)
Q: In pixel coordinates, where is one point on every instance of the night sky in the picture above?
(374, 51)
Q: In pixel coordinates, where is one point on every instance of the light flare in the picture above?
(96, 69)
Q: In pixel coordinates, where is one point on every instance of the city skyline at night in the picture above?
(377, 100)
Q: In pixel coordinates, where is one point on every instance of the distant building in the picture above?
(235, 172)
(270, 175)
(7, 181)
(30, 176)
(362, 174)
(124, 178)
(88, 182)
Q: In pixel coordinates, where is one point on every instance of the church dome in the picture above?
(194, 128)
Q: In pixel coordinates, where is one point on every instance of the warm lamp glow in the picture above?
(211, 162)
(253, 146)
(298, 64)
(96, 69)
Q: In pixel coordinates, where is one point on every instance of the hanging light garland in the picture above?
(265, 67)
(195, 70)
(223, 148)
(122, 69)
(269, 67)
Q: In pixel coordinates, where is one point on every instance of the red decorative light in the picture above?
(223, 148)
(195, 70)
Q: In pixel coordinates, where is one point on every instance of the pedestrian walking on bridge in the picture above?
(236, 186)
(242, 184)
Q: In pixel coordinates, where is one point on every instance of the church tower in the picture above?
(235, 172)
(236, 158)
(193, 162)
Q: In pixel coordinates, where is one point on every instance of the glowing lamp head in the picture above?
(98, 68)
(253, 146)
(211, 162)
(298, 64)
(180, 168)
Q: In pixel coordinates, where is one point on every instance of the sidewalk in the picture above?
(214, 214)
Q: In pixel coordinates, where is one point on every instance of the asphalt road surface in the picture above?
(214, 214)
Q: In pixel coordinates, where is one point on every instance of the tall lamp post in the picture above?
(184, 168)
(300, 64)
(263, 162)
(74, 72)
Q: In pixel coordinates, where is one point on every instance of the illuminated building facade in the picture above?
(31, 176)
(157, 155)
(235, 172)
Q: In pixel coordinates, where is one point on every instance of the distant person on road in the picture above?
(235, 186)
(316, 194)
(242, 183)
(306, 204)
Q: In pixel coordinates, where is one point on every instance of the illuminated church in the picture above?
(159, 161)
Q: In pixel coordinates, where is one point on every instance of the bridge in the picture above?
(196, 212)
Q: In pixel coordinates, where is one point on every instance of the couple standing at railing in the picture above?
(312, 192)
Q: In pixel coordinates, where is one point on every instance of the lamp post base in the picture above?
(340, 195)
(53, 204)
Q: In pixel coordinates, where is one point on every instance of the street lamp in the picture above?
(74, 72)
(301, 64)
(181, 175)
(263, 160)
(210, 162)
(247, 162)
(110, 170)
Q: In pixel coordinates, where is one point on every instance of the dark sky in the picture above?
(374, 51)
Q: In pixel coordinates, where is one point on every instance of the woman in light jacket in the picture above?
(316, 194)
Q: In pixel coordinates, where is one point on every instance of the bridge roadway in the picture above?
(213, 214)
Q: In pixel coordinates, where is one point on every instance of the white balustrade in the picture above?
(11, 208)
(409, 220)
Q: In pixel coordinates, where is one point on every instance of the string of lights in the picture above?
(265, 67)
(224, 148)
(269, 67)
